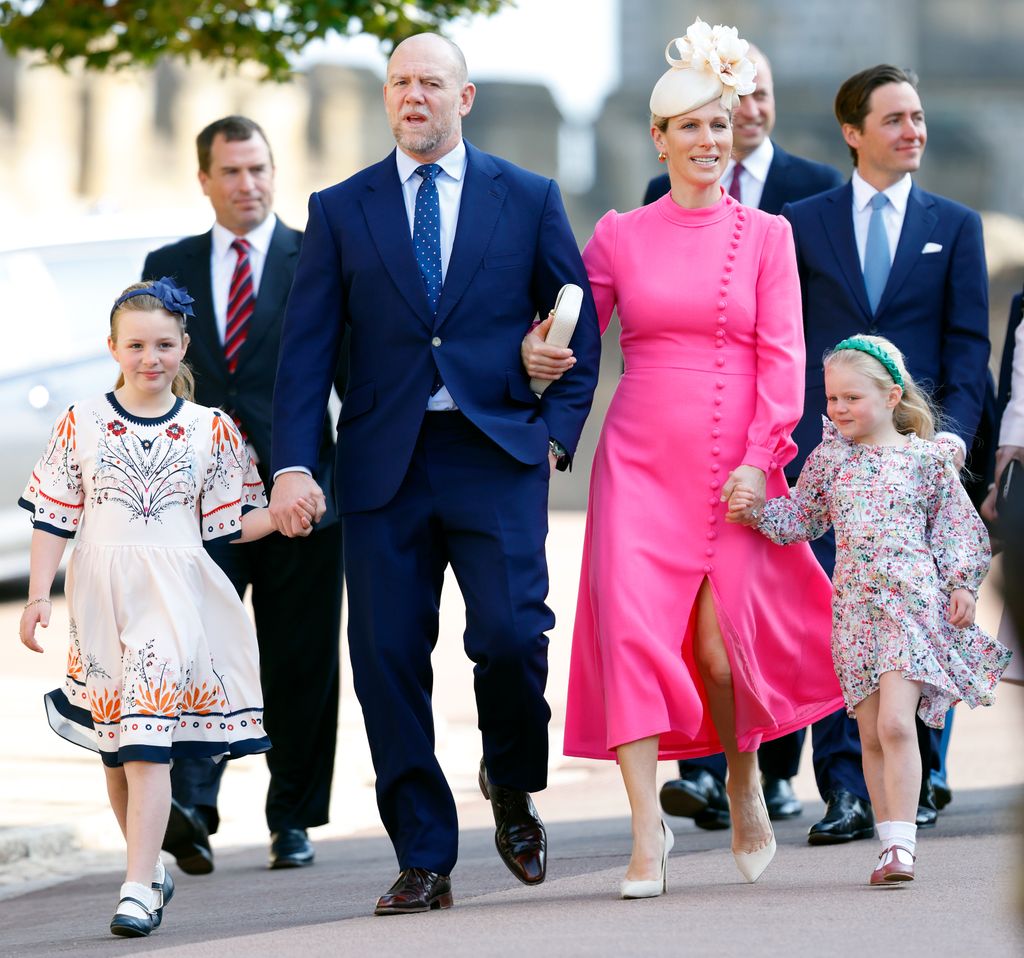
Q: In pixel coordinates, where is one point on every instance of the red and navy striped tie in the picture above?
(240, 304)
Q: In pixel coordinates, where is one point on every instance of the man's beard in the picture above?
(425, 141)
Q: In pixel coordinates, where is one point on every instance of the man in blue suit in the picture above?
(932, 303)
(761, 174)
(437, 259)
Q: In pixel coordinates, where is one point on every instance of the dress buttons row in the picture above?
(721, 320)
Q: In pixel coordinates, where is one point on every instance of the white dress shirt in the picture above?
(892, 213)
(449, 196)
(755, 172)
(222, 265)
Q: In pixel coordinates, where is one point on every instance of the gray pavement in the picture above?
(61, 856)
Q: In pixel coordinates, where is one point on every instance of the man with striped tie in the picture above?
(240, 274)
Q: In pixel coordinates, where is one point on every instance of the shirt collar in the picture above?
(898, 193)
(259, 238)
(453, 163)
(759, 160)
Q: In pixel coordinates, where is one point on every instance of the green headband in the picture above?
(872, 349)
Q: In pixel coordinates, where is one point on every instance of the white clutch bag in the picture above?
(567, 312)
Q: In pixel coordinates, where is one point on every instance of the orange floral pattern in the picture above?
(105, 705)
(202, 699)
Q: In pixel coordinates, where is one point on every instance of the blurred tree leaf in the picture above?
(111, 34)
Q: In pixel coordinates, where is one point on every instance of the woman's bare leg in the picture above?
(751, 829)
(638, 762)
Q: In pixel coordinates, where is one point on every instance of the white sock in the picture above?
(133, 889)
(884, 832)
(159, 872)
(903, 837)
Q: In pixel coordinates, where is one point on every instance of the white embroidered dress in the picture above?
(163, 661)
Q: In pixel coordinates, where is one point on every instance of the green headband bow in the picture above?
(872, 349)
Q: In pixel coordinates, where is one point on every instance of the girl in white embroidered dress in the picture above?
(163, 660)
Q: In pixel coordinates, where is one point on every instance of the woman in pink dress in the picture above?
(691, 636)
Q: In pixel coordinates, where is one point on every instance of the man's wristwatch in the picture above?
(561, 454)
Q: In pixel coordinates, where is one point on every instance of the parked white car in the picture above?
(56, 299)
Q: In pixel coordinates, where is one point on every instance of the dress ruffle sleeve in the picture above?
(955, 533)
(780, 353)
(232, 485)
(54, 494)
(805, 515)
(599, 259)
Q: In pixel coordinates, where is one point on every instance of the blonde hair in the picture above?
(915, 412)
(184, 383)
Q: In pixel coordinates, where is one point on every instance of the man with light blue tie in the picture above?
(881, 256)
(437, 259)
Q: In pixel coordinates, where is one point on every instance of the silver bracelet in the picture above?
(32, 602)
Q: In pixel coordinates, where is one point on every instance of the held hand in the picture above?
(540, 360)
(961, 608)
(740, 503)
(752, 479)
(36, 613)
(305, 514)
(988, 505)
(286, 513)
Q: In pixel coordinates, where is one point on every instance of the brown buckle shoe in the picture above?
(415, 890)
(890, 870)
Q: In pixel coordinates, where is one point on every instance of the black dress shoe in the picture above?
(847, 818)
(290, 848)
(927, 809)
(780, 800)
(519, 833)
(188, 841)
(943, 795)
(697, 795)
(416, 890)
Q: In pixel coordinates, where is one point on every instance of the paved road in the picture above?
(810, 902)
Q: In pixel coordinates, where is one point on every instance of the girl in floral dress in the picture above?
(910, 556)
(163, 659)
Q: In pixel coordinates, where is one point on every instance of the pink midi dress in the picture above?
(709, 303)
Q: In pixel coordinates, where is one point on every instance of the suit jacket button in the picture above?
(436, 341)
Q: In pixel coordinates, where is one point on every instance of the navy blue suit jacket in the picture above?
(790, 178)
(934, 306)
(513, 251)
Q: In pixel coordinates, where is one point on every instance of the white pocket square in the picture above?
(931, 248)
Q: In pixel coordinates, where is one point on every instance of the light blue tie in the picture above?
(426, 241)
(877, 261)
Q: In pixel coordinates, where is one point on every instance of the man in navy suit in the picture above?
(437, 259)
(764, 175)
(933, 306)
(299, 679)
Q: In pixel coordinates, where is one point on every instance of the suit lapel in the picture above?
(195, 277)
(388, 223)
(918, 224)
(837, 218)
(483, 196)
(275, 283)
(773, 194)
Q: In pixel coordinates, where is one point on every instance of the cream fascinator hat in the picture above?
(712, 64)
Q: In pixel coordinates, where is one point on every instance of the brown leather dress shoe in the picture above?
(890, 869)
(519, 833)
(416, 889)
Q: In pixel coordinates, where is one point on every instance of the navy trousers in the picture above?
(464, 502)
(296, 598)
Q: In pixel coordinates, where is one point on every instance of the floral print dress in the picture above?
(163, 661)
(906, 537)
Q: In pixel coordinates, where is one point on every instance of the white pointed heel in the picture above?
(753, 864)
(651, 889)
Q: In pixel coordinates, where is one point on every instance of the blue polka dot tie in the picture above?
(426, 241)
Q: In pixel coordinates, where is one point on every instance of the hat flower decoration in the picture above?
(712, 63)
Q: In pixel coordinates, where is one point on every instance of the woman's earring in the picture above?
(662, 157)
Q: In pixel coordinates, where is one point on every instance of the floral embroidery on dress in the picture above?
(152, 685)
(146, 476)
